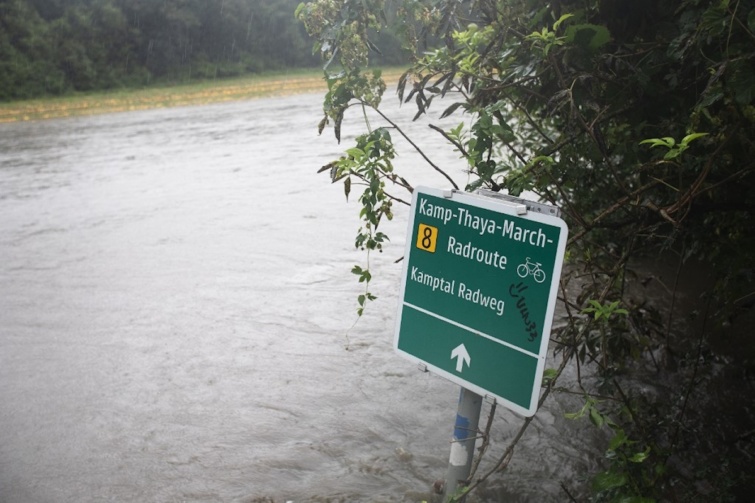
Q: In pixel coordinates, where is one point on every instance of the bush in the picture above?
(637, 119)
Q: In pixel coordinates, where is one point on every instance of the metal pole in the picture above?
(463, 443)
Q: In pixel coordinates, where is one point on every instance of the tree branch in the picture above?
(419, 150)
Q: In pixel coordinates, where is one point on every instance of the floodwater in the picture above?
(177, 322)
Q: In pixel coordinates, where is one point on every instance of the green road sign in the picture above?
(479, 290)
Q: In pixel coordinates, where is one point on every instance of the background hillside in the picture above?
(54, 47)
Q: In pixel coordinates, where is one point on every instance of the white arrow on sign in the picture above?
(462, 356)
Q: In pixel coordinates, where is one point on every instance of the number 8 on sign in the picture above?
(427, 237)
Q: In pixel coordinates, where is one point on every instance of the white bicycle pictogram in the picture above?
(533, 268)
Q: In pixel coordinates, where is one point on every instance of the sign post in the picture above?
(478, 294)
(463, 441)
(479, 290)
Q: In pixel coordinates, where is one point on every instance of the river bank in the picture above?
(165, 96)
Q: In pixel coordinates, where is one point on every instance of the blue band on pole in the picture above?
(461, 428)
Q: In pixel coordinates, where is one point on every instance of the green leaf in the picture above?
(692, 137)
(591, 36)
(347, 187)
(560, 20)
(355, 152)
(596, 417)
(337, 126)
(451, 109)
(322, 124)
(667, 142)
(619, 439)
(581, 412)
(608, 480)
(640, 456)
(455, 133)
(672, 154)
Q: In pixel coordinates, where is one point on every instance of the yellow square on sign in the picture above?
(427, 237)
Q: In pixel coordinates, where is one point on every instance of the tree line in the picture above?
(53, 47)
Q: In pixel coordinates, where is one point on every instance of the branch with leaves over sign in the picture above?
(606, 112)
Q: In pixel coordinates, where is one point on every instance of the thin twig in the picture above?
(568, 494)
(397, 199)
(485, 442)
(451, 140)
(419, 150)
(617, 205)
(692, 379)
(673, 294)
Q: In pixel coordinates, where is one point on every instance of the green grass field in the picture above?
(199, 93)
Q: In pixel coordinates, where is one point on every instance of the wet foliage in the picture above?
(637, 119)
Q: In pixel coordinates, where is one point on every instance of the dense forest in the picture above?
(53, 47)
